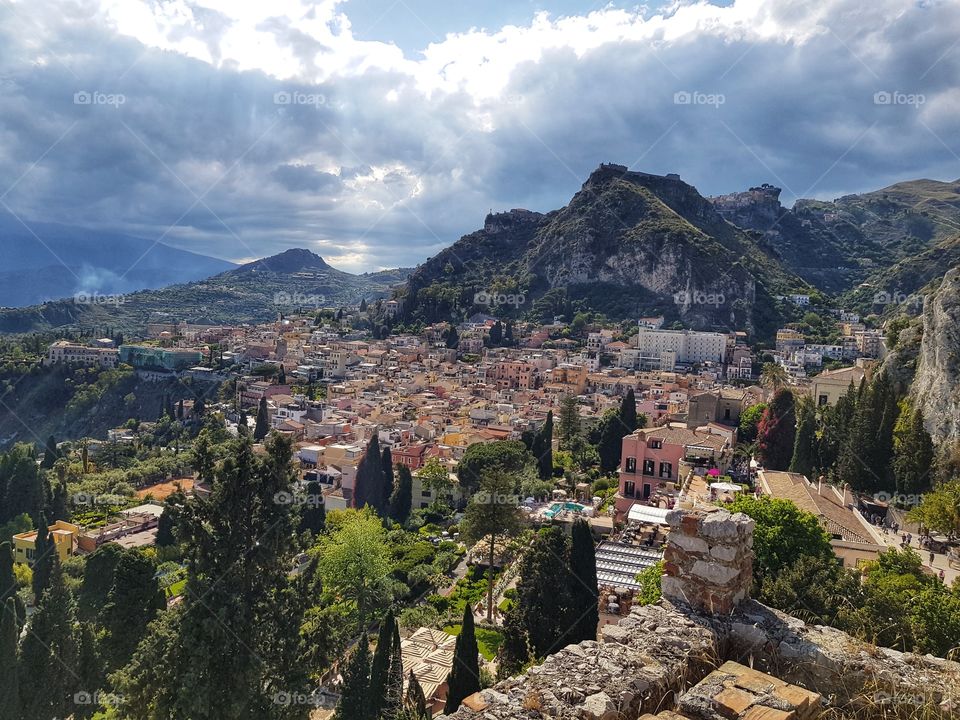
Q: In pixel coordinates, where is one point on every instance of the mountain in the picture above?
(48, 261)
(255, 292)
(627, 244)
(852, 244)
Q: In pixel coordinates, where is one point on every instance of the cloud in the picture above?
(240, 129)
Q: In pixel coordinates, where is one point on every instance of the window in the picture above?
(726, 414)
(656, 443)
(646, 491)
(631, 464)
(648, 467)
(629, 489)
(425, 493)
(822, 400)
(666, 469)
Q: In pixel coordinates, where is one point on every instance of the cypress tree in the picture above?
(393, 695)
(50, 454)
(354, 693)
(804, 446)
(545, 603)
(314, 515)
(886, 412)
(402, 498)
(464, 677)
(90, 669)
(262, 426)
(544, 448)
(165, 536)
(584, 588)
(369, 479)
(416, 701)
(569, 419)
(610, 444)
(856, 462)
(43, 558)
(48, 657)
(242, 419)
(380, 667)
(913, 452)
(386, 487)
(9, 654)
(628, 411)
(132, 603)
(8, 583)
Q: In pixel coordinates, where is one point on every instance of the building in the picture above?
(63, 351)
(65, 538)
(789, 341)
(411, 456)
(830, 385)
(148, 357)
(654, 461)
(721, 406)
(688, 346)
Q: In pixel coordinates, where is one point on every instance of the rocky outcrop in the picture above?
(678, 659)
(936, 386)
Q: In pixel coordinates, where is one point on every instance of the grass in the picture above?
(488, 641)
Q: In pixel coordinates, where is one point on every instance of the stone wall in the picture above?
(708, 561)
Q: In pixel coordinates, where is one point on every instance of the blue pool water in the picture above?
(558, 506)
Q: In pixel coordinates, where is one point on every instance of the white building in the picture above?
(691, 347)
(63, 351)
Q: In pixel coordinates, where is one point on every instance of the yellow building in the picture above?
(64, 534)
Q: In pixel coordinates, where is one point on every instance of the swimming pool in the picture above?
(559, 506)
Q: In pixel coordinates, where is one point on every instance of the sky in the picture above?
(376, 133)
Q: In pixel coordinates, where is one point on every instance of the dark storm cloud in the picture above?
(105, 132)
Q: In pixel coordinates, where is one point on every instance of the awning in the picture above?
(647, 514)
(725, 487)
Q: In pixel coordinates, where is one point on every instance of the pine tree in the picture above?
(9, 655)
(262, 426)
(583, 585)
(43, 559)
(628, 411)
(544, 448)
(380, 667)
(804, 445)
(402, 498)
(354, 693)
(48, 657)
(569, 426)
(464, 677)
(776, 431)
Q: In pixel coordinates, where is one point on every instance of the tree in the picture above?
(363, 304)
(355, 564)
(180, 410)
(939, 510)
(8, 583)
(544, 603)
(234, 641)
(393, 692)
(783, 533)
(464, 677)
(262, 426)
(855, 465)
(912, 452)
(496, 334)
(44, 552)
(386, 484)
(380, 667)
(165, 525)
(9, 655)
(415, 701)
(775, 433)
(90, 671)
(452, 338)
(628, 411)
(402, 498)
(509, 457)
(23, 486)
(569, 421)
(804, 445)
(773, 376)
(50, 454)
(583, 586)
(610, 445)
(98, 573)
(749, 420)
(314, 515)
(203, 461)
(543, 448)
(131, 604)
(492, 512)
(242, 419)
(368, 487)
(354, 692)
(48, 657)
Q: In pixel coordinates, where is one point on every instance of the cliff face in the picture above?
(936, 385)
(627, 243)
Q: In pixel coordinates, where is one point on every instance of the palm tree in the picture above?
(773, 376)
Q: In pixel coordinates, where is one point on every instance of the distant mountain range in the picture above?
(48, 261)
(256, 292)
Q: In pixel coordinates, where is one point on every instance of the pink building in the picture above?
(653, 457)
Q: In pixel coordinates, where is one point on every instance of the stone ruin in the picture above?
(707, 651)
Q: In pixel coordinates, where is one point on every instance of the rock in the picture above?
(598, 706)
